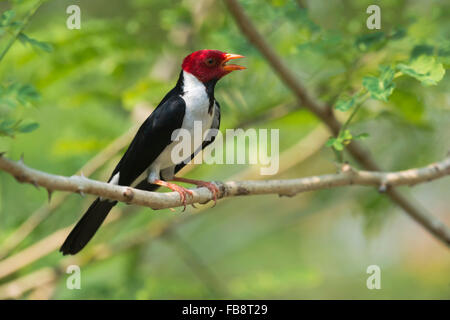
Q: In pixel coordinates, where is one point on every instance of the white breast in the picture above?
(197, 105)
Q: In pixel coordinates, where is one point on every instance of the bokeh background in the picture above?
(88, 89)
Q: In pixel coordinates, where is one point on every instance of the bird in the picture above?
(147, 163)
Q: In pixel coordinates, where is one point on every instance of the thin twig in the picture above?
(20, 30)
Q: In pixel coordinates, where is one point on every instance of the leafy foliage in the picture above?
(14, 95)
(425, 69)
(345, 104)
(422, 67)
(6, 20)
(35, 43)
(380, 88)
(343, 139)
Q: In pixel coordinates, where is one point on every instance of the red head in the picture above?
(207, 65)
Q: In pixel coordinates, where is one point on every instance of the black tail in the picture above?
(87, 226)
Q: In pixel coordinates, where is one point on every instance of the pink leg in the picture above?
(174, 187)
(210, 186)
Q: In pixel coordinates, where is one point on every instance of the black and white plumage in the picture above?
(147, 164)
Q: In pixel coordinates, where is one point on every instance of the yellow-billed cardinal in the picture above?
(147, 164)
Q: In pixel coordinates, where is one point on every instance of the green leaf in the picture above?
(27, 93)
(345, 104)
(35, 43)
(6, 123)
(330, 142)
(6, 18)
(425, 69)
(335, 143)
(338, 145)
(17, 94)
(381, 88)
(29, 127)
(346, 135)
(7, 127)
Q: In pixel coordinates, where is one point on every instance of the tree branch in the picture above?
(324, 113)
(288, 187)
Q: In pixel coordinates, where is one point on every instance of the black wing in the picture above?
(210, 139)
(151, 139)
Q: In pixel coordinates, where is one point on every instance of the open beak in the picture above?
(232, 67)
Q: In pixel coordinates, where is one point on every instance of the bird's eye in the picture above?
(210, 62)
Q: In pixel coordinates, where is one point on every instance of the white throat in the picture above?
(191, 83)
(195, 96)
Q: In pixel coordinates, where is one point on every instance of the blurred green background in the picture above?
(87, 87)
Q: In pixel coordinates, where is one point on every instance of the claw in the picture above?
(182, 192)
(209, 185)
(213, 189)
(174, 187)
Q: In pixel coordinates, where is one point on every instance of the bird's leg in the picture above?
(209, 185)
(174, 187)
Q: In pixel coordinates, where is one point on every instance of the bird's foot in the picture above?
(183, 192)
(209, 185)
